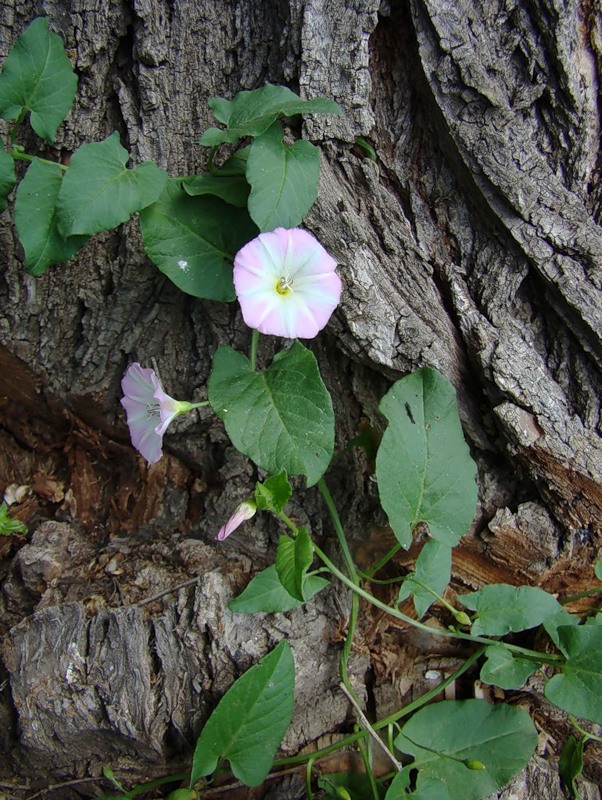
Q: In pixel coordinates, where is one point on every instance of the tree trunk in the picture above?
(472, 244)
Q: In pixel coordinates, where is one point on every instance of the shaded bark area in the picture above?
(472, 244)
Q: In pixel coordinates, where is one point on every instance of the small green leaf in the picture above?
(293, 558)
(280, 417)
(578, 688)
(193, 240)
(250, 720)
(504, 669)
(38, 77)
(423, 467)
(100, 193)
(598, 569)
(444, 737)
(432, 569)
(229, 182)
(570, 764)
(502, 608)
(252, 113)
(284, 180)
(9, 526)
(266, 593)
(273, 494)
(36, 219)
(7, 176)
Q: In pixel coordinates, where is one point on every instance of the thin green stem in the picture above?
(210, 167)
(587, 734)
(544, 659)
(21, 156)
(385, 559)
(354, 579)
(308, 769)
(254, 344)
(289, 523)
(588, 593)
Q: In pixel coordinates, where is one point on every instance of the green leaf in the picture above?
(504, 669)
(502, 608)
(293, 558)
(249, 721)
(423, 467)
(570, 764)
(7, 176)
(444, 737)
(38, 77)
(252, 113)
(284, 180)
(598, 569)
(282, 417)
(266, 593)
(228, 183)
(36, 219)
(9, 526)
(432, 569)
(431, 789)
(193, 240)
(99, 192)
(578, 688)
(273, 494)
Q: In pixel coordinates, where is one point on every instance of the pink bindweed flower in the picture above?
(149, 410)
(286, 283)
(244, 512)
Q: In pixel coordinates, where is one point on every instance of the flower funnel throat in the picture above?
(149, 410)
(286, 283)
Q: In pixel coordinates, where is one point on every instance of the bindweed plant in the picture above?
(233, 232)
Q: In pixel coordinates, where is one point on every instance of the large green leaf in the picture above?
(423, 467)
(250, 720)
(38, 77)
(502, 608)
(266, 593)
(7, 176)
(504, 669)
(432, 569)
(193, 240)
(99, 192)
(473, 747)
(252, 113)
(293, 558)
(36, 221)
(578, 688)
(281, 417)
(284, 180)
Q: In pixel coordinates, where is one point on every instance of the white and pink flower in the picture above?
(286, 283)
(244, 512)
(149, 410)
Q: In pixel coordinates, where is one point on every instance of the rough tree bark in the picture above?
(472, 245)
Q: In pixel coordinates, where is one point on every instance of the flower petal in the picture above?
(244, 512)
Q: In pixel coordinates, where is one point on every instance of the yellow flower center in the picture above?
(284, 286)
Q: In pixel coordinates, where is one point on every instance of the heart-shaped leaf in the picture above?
(38, 77)
(36, 220)
(578, 688)
(250, 720)
(265, 592)
(280, 417)
(99, 193)
(502, 608)
(193, 241)
(284, 180)
(423, 467)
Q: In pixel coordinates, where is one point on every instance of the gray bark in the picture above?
(472, 245)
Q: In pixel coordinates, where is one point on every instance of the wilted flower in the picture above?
(149, 410)
(244, 512)
(286, 283)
